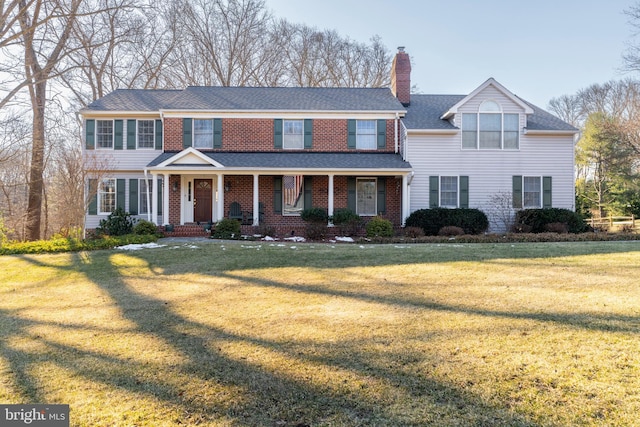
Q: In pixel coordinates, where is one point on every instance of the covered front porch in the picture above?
(271, 189)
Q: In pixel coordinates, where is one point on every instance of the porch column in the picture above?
(165, 199)
(154, 198)
(405, 199)
(256, 200)
(330, 201)
(220, 201)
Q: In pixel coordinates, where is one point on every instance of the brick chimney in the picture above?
(401, 77)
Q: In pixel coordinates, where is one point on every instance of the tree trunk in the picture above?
(34, 208)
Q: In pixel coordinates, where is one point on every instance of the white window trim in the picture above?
(457, 177)
(153, 139)
(375, 195)
(284, 134)
(375, 135)
(479, 130)
(540, 179)
(100, 193)
(113, 131)
(193, 132)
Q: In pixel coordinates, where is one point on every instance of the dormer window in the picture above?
(490, 128)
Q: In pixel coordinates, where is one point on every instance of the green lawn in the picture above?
(268, 334)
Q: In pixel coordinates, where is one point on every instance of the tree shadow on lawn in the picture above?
(268, 397)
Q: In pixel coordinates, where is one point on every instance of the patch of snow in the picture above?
(296, 239)
(269, 239)
(139, 246)
(361, 247)
(344, 239)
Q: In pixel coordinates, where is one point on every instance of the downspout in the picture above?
(395, 131)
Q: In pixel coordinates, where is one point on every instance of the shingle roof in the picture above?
(300, 160)
(425, 112)
(249, 98)
(133, 100)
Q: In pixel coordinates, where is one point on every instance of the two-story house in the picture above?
(262, 155)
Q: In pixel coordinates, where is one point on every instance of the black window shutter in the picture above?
(117, 134)
(277, 195)
(382, 195)
(464, 192)
(217, 133)
(90, 134)
(308, 133)
(158, 134)
(131, 134)
(277, 133)
(159, 187)
(186, 133)
(120, 193)
(382, 134)
(434, 191)
(351, 134)
(351, 193)
(517, 191)
(546, 192)
(308, 192)
(133, 196)
(93, 197)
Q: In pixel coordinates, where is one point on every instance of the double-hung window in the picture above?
(531, 192)
(293, 134)
(366, 192)
(107, 196)
(490, 128)
(146, 134)
(366, 135)
(449, 191)
(104, 133)
(202, 133)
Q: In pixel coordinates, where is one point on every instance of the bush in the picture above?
(379, 227)
(413, 232)
(145, 228)
(556, 227)
(227, 228)
(347, 221)
(540, 219)
(316, 230)
(472, 221)
(73, 245)
(314, 215)
(118, 223)
(451, 230)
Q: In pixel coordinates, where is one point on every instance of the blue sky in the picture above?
(537, 49)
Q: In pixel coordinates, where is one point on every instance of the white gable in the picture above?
(490, 90)
(190, 156)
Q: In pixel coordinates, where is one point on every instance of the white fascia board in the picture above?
(187, 152)
(489, 82)
(195, 169)
(433, 131)
(550, 132)
(90, 114)
(279, 114)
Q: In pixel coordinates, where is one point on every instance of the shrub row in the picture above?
(554, 220)
(472, 221)
(73, 245)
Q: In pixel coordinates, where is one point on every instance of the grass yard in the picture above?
(268, 334)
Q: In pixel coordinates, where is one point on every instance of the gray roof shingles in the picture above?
(301, 160)
(217, 98)
(425, 112)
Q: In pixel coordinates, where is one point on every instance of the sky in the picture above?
(539, 50)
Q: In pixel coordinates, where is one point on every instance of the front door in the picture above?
(202, 200)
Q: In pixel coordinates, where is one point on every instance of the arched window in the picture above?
(490, 128)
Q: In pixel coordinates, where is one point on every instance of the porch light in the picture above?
(174, 186)
(227, 186)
